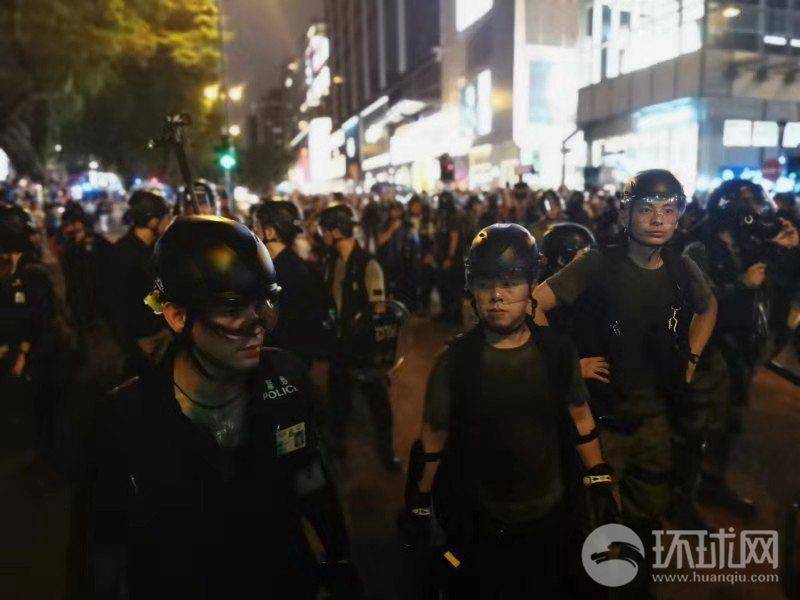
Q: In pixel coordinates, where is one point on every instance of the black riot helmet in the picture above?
(562, 242)
(15, 229)
(204, 261)
(339, 217)
(502, 249)
(144, 205)
(283, 216)
(743, 208)
(74, 213)
(654, 185)
(15, 212)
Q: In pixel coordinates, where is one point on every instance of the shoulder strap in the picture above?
(678, 274)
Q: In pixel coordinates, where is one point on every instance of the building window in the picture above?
(469, 11)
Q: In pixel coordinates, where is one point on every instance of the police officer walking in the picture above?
(651, 313)
(205, 464)
(357, 287)
(505, 406)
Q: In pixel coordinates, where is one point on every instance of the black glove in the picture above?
(414, 522)
(341, 580)
(602, 503)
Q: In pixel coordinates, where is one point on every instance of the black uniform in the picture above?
(133, 281)
(303, 309)
(202, 521)
(355, 296)
(87, 264)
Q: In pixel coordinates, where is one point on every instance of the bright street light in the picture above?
(58, 148)
(211, 92)
(236, 93)
(235, 130)
(731, 12)
(288, 82)
(94, 165)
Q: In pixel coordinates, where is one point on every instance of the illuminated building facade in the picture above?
(706, 88)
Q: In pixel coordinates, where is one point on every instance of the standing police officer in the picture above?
(497, 452)
(206, 463)
(27, 311)
(303, 306)
(140, 333)
(650, 314)
(741, 244)
(356, 284)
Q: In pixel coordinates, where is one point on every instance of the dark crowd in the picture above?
(606, 345)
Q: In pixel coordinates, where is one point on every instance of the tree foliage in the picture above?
(102, 73)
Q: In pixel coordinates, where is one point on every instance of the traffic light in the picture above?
(226, 154)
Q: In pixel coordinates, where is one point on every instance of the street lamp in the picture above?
(235, 130)
(236, 93)
(211, 92)
(731, 12)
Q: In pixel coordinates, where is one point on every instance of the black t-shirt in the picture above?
(513, 433)
(647, 297)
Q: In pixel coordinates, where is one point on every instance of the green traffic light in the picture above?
(227, 161)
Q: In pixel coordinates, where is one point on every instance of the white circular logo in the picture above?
(611, 555)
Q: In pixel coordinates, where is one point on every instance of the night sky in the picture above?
(266, 33)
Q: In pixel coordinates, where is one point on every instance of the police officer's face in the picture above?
(234, 336)
(502, 302)
(654, 222)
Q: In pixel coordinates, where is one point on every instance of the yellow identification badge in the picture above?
(290, 439)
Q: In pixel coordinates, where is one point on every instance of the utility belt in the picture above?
(488, 528)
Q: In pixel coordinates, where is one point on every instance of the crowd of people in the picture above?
(611, 342)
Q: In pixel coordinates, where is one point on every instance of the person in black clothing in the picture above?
(399, 255)
(561, 245)
(356, 284)
(303, 304)
(140, 333)
(496, 464)
(86, 262)
(205, 464)
(741, 249)
(449, 254)
(27, 313)
(419, 218)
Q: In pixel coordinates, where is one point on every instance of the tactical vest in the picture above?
(354, 291)
(453, 488)
(603, 326)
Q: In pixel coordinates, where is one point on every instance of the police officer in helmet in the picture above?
(742, 249)
(303, 304)
(650, 314)
(505, 407)
(206, 462)
(356, 284)
(140, 333)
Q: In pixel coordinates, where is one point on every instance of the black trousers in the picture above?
(344, 380)
(530, 561)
